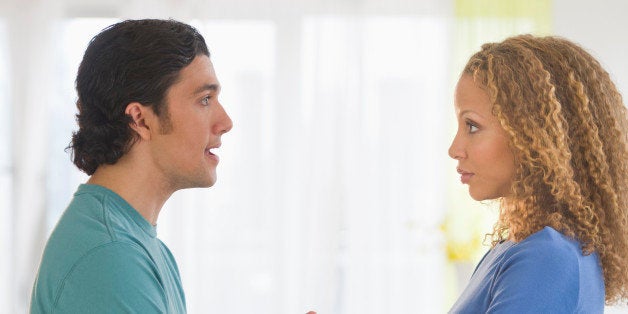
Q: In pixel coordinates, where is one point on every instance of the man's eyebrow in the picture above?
(210, 87)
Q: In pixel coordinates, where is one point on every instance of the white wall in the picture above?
(598, 26)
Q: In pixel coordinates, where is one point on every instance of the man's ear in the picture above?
(142, 117)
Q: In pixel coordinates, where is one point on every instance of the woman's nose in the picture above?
(456, 150)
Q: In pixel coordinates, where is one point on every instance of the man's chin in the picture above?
(208, 182)
(199, 182)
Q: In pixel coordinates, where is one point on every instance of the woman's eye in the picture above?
(472, 127)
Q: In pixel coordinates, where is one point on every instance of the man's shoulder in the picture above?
(81, 228)
(98, 260)
(94, 217)
(88, 242)
(114, 256)
(111, 273)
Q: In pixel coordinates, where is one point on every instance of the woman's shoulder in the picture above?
(548, 243)
(549, 253)
(544, 263)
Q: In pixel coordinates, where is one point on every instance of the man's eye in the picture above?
(205, 101)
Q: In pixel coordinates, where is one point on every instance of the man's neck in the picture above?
(135, 185)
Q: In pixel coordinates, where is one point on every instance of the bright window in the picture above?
(6, 177)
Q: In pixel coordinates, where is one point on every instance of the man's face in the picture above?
(195, 121)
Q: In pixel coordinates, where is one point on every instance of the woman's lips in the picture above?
(465, 176)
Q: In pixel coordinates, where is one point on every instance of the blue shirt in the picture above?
(104, 257)
(544, 273)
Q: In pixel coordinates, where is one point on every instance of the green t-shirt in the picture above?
(104, 257)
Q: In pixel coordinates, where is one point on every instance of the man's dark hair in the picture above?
(131, 61)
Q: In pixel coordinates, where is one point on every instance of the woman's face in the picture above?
(485, 161)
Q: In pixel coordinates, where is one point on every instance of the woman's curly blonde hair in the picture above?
(568, 130)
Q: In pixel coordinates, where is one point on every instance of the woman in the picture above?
(542, 128)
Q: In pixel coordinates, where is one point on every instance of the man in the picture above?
(149, 118)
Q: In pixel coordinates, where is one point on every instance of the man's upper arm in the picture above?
(113, 278)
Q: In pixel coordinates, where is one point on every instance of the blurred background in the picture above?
(335, 190)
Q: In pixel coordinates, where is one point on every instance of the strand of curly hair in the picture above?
(568, 129)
